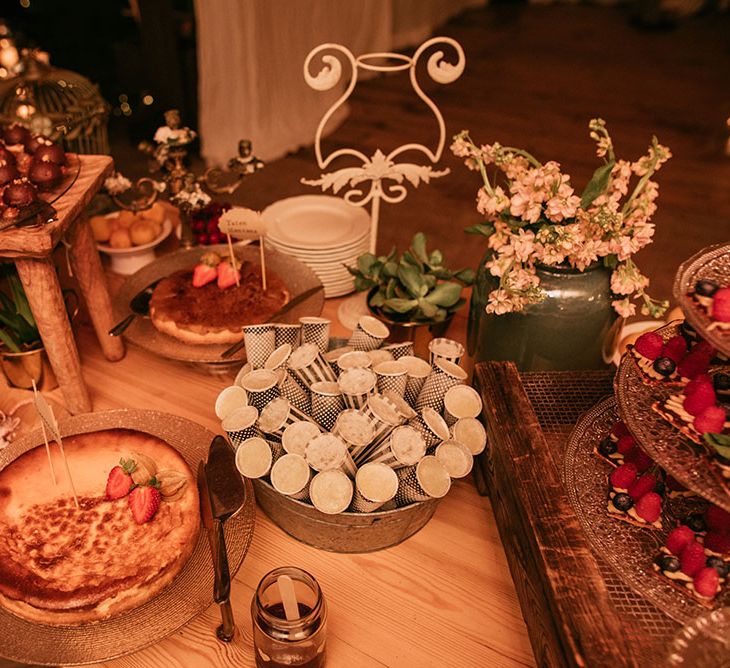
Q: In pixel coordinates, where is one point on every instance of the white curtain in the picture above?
(251, 54)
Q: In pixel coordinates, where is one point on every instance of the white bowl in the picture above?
(126, 261)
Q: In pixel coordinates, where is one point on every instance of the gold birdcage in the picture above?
(59, 104)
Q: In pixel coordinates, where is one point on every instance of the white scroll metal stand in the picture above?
(384, 174)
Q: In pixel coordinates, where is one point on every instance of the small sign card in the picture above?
(243, 223)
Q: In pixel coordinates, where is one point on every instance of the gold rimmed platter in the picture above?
(186, 597)
(142, 333)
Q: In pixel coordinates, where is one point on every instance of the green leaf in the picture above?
(411, 279)
(720, 442)
(390, 288)
(430, 281)
(400, 305)
(436, 259)
(377, 299)
(466, 276)
(427, 308)
(9, 341)
(485, 229)
(408, 259)
(610, 261)
(597, 185)
(444, 294)
(443, 274)
(365, 262)
(362, 284)
(390, 269)
(418, 246)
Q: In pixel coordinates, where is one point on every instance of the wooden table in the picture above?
(443, 598)
(31, 249)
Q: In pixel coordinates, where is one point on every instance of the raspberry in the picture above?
(710, 421)
(638, 458)
(692, 559)
(694, 364)
(679, 538)
(649, 507)
(706, 582)
(675, 349)
(721, 305)
(625, 444)
(717, 519)
(717, 542)
(620, 429)
(623, 476)
(644, 485)
(701, 398)
(649, 345)
(705, 348)
(696, 383)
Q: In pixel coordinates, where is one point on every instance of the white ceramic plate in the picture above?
(355, 244)
(315, 222)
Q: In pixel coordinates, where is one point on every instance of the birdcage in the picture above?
(59, 104)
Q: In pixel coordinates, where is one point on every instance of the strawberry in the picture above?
(706, 582)
(717, 519)
(642, 486)
(649, 507)
(620, 429)
(623, 476)
(649, 345)
(692, 559)
(678, 539)
(227, 275)
(721, 305)
(144, 502)
(701, 398)
(694, 364)
(710, 421)
(120, 480)
(717, 542)
(638, 458)
(203, 274)
(675, 348)
(625, 444)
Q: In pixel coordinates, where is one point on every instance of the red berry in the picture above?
(638, 458)
(706, 582)
(717, 519)
(620, 429)
(692, 559)
(203, 274)
(227, 275)
(623, 476)
(625, 444)
(642, 486)
(197, 226)
(710, 421)
(118, 483)
(696, 383)
(721, 305)
(649, 507)
(649, 345)
(675, 348)
(678, 539)
(701, 398)
(144, 502)
(212, 226)
(717, 542)
(215, 238)
(202, 238)
(694, 364)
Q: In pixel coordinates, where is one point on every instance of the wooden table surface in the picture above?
(443, 598)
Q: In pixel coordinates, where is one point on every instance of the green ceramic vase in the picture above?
(574, 327)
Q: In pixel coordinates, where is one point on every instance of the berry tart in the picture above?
(714, 301)
(620, 447)
(672, 360)
(636, 498)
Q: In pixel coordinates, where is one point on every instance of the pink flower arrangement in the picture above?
(534, 217)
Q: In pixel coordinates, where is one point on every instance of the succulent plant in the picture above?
(18, 330)
(415, 287)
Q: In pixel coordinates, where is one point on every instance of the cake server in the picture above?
(139, 304)
(283, 310)
(227, 494)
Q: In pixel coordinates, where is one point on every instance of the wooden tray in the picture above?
(577, 609)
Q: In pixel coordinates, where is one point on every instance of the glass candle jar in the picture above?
(279, 643)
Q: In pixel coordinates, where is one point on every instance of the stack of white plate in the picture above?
(325, 233)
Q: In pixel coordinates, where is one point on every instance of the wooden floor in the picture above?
(534, 77)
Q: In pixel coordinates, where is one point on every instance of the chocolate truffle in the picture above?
(15, 134)
(19, 193)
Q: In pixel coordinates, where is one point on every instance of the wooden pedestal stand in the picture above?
(31, 249)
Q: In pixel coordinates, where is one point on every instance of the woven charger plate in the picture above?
(189, 594)
(628, 549)
(712, 263)
(667, 446)
(296, 276)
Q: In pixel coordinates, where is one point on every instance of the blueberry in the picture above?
(696, 522)
(622, 502)
(669, 563)
(719, 565)
(664, 365)
(706, 288)
(607, 447)
(659, 487)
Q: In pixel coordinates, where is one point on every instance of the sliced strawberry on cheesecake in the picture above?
(206, 271)
(228, 275)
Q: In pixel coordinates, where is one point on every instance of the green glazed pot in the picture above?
(574, 327)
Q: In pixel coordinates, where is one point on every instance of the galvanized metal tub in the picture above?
(345, 532)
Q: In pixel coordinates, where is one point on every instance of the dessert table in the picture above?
(444, 597)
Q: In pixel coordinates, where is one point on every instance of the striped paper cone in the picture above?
(355, 429)
(287, 333)
(400, 349)
(369, 334)
(254, 458)
(426, 480)
(307, 366)
(447, 349)
(391, 376)
(327, 403)
(328, 452)
(291, 475)
(431, 426)
(356, 385)
(241, 424)
(375, 484)
(383, 415)
(262, 386)
(316, 330)
(260, 341)
(461, 401)
(443, 376)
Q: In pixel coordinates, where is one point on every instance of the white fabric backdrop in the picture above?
(251, 53)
